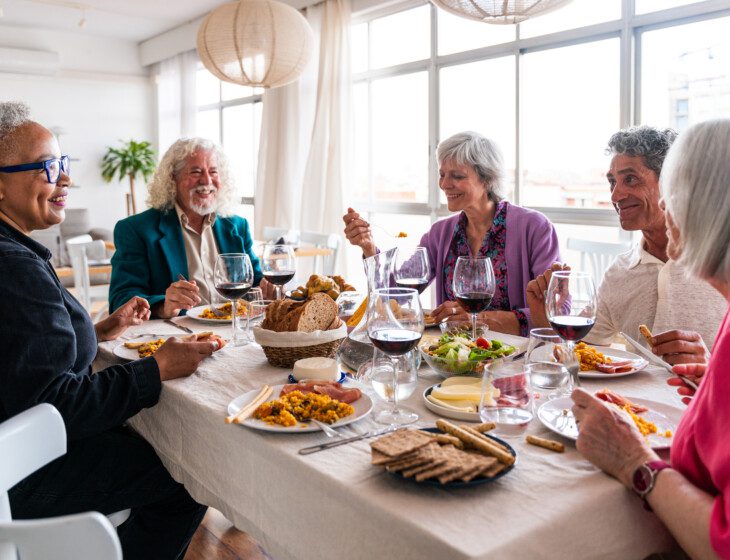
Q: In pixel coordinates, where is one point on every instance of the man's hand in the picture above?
(178, 358)
(358, 233)
(134, 312)
(694, 372)
(268, 290)
(535, 295)
(179, 295)
(680, 347)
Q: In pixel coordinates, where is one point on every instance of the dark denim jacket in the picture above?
(47, 344)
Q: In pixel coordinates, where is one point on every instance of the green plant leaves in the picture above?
(132, 159)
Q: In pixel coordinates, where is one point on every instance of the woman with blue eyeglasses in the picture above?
(47, 345)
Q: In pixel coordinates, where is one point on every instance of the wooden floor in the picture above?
(218, 539)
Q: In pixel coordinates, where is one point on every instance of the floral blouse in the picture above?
(493, 246)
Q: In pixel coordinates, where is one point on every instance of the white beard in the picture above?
(203, 209)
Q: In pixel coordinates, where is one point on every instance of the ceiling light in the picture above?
(500, 11)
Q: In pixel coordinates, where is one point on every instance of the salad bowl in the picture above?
(458, 354)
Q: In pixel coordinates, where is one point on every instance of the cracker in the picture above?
(494, 470)
(436, 471)
(400, 442)
(421, 468)
(378, 458)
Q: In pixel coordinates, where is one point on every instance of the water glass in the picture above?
(257, 311)
(506, 397)
(550, 376)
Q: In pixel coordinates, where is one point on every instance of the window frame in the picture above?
(629, 29)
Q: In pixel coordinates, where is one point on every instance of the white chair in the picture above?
(85, 252)
(600, 254)
(323, 241)
(29, 441)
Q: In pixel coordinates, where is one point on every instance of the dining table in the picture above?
(335, 504)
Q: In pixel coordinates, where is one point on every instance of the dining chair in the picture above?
(599, 254)
(84, 253)
(29, 441)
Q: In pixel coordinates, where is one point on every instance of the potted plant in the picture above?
(132, 159)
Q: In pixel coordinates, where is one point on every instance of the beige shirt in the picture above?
(201, 252)
(638, 288)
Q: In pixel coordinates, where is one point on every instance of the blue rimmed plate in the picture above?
(342, 378)
(457, 483)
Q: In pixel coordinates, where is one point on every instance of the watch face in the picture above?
(642, 479)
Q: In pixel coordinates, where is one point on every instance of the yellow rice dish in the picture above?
(298, 407)
(145, 349)
(226, 309)
(588, 356)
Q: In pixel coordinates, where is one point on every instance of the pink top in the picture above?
(701, 448)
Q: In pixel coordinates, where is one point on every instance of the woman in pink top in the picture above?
(692, 495)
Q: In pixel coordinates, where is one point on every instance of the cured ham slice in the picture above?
(620, 401)
(332, 389)
(616, 366)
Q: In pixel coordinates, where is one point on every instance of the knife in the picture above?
(181, 327)
(657, 361)
(330, 444)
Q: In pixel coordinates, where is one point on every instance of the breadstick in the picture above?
(248, 409)
(490, 441)
(134, 345)
(546, 443)
(477, 443)
(444, 439)
(646, 333)
(484, 427)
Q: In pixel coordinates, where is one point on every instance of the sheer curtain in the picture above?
(304, 134)
(176, 107)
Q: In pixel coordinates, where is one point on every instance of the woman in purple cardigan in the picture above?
(521, 243)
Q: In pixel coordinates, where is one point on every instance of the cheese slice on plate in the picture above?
(462, 406)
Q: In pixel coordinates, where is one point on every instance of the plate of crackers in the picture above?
(448, 456)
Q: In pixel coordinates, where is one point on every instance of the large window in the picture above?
(231, 115)
(549, 91)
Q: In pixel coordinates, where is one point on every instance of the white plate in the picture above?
(665, 417)
(195, 313)
(448, 412)
(616, 355)
(362, 407)
(122, 351)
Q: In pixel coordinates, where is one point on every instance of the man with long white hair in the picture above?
(167, 254)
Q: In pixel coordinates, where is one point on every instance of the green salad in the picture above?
(458, 354)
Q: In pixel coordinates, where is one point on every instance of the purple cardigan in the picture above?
(531, 247)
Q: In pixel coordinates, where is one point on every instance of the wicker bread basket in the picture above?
(282, 349)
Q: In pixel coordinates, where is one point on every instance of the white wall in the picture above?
(101, 95)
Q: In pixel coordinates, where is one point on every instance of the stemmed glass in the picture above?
(395, 326)
(233, 277)
(570, 304)
(278, 265)
(412, 269)
(474, 286)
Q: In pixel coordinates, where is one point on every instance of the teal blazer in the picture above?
(150, 253)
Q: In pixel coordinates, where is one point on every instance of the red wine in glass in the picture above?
(474, 302)
(394, 342)
(232, 290)
(570, 327)
(279, 278)
(415, 283)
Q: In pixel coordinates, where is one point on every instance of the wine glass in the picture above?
(570, 304)
(474, 286)
(233, 277)
(395, 326)
(548, 363)
(412, 269)
(279, 266)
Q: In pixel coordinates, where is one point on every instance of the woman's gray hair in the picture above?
(643, 141)
(13, 115)
(481, 153)
(162, 189)
(696, 188)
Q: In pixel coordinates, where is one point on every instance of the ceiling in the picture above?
(134, 20)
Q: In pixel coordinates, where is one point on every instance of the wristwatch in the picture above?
(644, 478)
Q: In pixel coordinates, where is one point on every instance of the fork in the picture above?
(325, 428)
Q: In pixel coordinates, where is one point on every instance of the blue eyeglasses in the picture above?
(53, 168)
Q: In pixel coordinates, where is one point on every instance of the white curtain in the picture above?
(304, 134)
(176, 104)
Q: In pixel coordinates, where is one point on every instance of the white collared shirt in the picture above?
(639, 288)
(201, 252)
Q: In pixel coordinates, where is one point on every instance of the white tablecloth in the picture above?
(334, 504)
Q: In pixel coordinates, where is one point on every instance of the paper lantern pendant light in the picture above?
(500, 11)
(255, 43)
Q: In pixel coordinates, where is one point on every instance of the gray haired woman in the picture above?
(520, 242)
(691, 496)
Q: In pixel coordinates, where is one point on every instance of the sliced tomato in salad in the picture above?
(483, 343)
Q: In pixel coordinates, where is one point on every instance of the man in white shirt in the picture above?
(644, 286)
